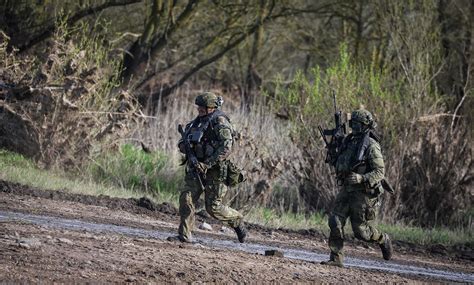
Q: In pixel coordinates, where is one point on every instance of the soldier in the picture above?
(212, 142)
(360, 169)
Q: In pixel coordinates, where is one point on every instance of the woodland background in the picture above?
(98, 87)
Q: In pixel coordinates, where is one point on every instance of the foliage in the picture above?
(428, 154)
(308, 102)
(132, 168)
(64, 101)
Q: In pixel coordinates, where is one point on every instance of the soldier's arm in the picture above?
(376, 165)
(223, 131)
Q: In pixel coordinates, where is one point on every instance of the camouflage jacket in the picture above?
(371, 167)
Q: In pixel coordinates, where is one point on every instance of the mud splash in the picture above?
(71, 224)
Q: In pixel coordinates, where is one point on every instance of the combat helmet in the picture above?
(364, 117)
(209, 100)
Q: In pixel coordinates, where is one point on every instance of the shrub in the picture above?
(63, 103)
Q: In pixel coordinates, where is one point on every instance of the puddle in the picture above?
(247, 247)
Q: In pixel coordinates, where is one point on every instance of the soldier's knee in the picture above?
(213, 208)
(334, 221)
(185, 198)
(361, 232)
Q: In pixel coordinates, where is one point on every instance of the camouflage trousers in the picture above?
(214, 194)
(361, 209)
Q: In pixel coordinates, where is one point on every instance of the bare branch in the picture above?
(48, 31)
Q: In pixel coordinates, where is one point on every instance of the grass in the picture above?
(448, 237)
(422, 236)
(269, 218)
(132, 168)
(16, 168)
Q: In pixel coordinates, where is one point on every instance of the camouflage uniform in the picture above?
(212, 151)
(358, 200)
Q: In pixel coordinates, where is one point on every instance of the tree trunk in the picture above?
(149, 46)
(139, 51)
(252, 79)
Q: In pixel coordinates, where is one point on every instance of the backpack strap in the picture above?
(364, 145)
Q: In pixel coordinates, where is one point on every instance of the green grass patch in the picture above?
(270, 218)
(16, 168)
(293, 221)
(422, 236)
(132, 168)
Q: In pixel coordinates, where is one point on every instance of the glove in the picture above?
(202, 167)
(354, 178)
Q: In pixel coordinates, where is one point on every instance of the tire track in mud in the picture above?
(71, 224)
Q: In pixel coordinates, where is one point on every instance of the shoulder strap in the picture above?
(363, 145)
(345, 141)
(218, 113)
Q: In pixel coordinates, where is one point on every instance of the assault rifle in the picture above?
(335, 144)
(337, 135)
(190, 156)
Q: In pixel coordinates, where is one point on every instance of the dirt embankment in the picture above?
(43, 252)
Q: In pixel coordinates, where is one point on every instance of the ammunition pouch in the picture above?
(234, 175)
(370, 213)
(374, 191)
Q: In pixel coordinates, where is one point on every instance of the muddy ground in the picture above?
(49, 252)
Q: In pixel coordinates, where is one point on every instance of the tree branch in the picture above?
(48, 31)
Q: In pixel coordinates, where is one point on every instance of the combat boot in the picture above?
(178, 238)
(334, 260)
(241, 232)
(386, 247)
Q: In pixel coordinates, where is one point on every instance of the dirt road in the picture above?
(59, 237)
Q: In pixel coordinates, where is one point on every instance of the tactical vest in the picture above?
(353, 156)
(202, 134)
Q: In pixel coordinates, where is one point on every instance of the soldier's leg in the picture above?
(187, 201)
(337, 221)
(362, 219)
(363, 212)
(214, 196)
(215, 192)
(336, 237)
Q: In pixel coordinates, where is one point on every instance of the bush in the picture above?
(63, 103)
